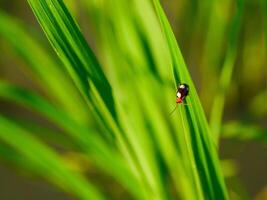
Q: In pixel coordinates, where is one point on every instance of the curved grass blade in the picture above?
(105, 157)
(70, 45)
(204, 151)
(244, 132)
(141, 96)
(213, 48)
(145, 126)
(46, 162)
(46, 72)
(226, 73)
(258, 105)
(45, 133)
(11, 157)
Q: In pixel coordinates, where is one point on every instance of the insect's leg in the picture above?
(173, 110)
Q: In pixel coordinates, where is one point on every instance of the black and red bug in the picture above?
(182, 92)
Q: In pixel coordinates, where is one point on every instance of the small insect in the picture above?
(182, 92)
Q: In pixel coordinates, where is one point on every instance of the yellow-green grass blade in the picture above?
(257, 106)
(45, 132)
(67, 40)
(71, 47)
(202, 144)
(218, 19)
(264, 9)
(244, 132)
(226, 73)
(11, 157)
(129, 65)
(103, 156)
(144, 91)
(45, 70)
(47, 163)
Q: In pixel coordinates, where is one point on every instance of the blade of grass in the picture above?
(156, 45)
(226, 73)
(243, 131)
(140, 83)
(129, 60)
(45, 133)
(213, 47)
(11, 157)
(71, 47)
(258, 105)
(67, 40)
(41, 64)
(204, 151)
(90, 142)
(264, 9)
(47, 162)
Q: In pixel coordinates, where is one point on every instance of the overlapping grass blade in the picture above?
(258, 105)
(90, 142)
(213, 48)
(137, 143)
(264, 9)
(71, 47)
(40, 64)
(226, 73)
(204, 150)
(45, 161)
(138, 67)
(135, 77)
(44, 132)
(244, 132)
(12, 157)
(139, 71)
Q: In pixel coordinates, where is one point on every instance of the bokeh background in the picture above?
(202, 31)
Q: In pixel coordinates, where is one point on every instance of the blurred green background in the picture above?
(203, 31)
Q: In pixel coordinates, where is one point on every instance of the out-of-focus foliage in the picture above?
(109, 107)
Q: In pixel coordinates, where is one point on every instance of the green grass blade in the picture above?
(226, 73)
(258, 105)
(218, 20)
(40, 64)
(264, 9)
(11, 157)
(127, 65)
(49, 164)
(90, 142)
(141, 83)
(71, 47)
(204, 150)
(45, 133)
(244, 132)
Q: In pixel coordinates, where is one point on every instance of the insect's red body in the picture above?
(179, 100)
(182, 92)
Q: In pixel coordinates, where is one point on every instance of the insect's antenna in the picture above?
(173, 110)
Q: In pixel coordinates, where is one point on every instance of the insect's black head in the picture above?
(182, 92)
